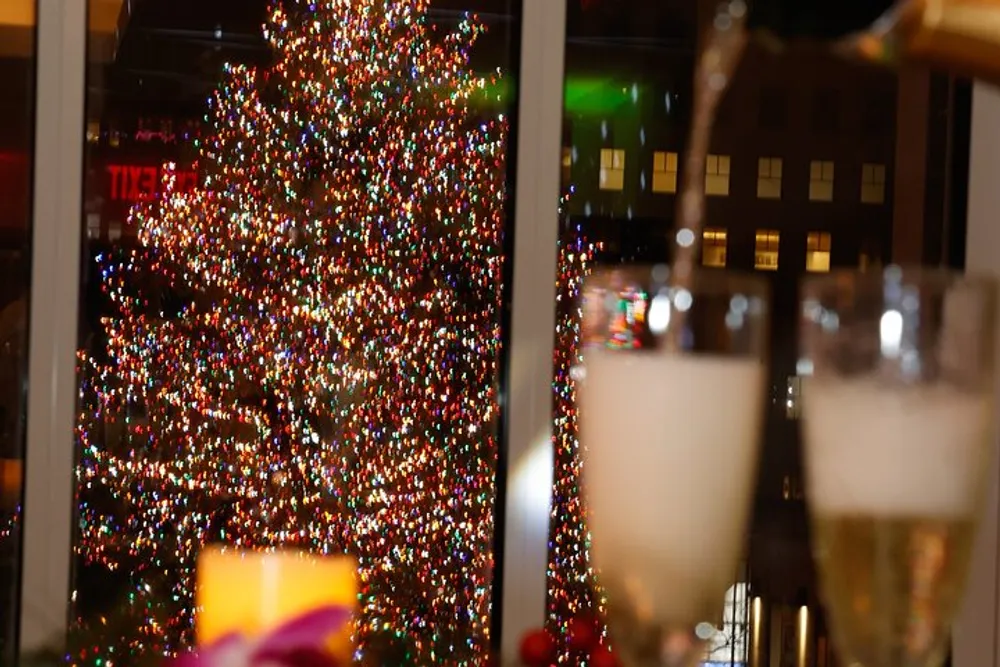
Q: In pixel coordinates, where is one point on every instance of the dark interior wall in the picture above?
(16, 75)
(16, 140)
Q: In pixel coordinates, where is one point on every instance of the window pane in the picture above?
(717, 176)
(837, 117)
(612, 176)
(714, 246)
(17, 127)
(293, 296)
(815, 171)
(821, 181)
(672, 162)
(766, 250)
(659, 161)
(769, 178)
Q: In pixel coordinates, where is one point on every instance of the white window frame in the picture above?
(58, 225)
(55, 293)
(976, 633)
(528, 456)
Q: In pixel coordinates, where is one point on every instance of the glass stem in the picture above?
(659, 647)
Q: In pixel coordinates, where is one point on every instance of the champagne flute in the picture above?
(670, 413)
(898, 424)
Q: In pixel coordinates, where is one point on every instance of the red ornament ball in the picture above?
(602, 657)
(537, 649)
(581, 634)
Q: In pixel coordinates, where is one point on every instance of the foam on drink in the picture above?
(670, 448)
(878, 451)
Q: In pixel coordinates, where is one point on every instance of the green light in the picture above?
(597, 95)
(583, 95)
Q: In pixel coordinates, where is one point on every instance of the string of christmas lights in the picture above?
(573, 593)
(305, 348)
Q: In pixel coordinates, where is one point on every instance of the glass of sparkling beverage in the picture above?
(899, 420)
(670, 395)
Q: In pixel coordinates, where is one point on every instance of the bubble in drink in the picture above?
(670, 452)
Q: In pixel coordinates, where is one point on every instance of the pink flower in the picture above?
(299, 643)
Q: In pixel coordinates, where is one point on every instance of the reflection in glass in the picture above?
(628, 86)
(294, 312)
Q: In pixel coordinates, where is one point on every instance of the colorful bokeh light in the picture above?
(305, 348)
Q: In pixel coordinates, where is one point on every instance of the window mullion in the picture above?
(976, 630)
(55, 282)
(528, 447)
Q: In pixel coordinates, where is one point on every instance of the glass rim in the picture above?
(903, 274)
(703, 280)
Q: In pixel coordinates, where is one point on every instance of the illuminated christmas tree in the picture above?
(572, 590)
(305, 348)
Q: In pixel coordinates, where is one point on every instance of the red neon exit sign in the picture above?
(130, 183)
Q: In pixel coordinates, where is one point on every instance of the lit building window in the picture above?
(717, 175)
(873, 184)
(869, 261)
(769, 178)
(870, 256)
(567, 164)
(713, 247)
(93, 131)
(664, 171)
(818, 252)
(791, 488)
(93, 226)
(766, 250)
(793, 397)
(820, 181)
(612, 169)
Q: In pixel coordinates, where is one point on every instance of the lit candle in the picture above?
(253, 593)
